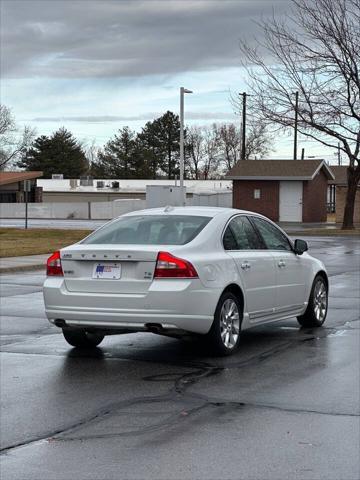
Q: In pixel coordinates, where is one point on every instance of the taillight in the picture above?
(53, 265)
(168, 266)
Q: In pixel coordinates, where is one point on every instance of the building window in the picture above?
(257, 193)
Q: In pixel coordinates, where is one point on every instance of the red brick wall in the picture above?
(267, 204)
(315, 198)
(38, 194)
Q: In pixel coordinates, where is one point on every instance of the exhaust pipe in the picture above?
(154, 327)
(60, 323)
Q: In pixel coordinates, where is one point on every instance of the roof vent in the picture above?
(86, 181)
(73, 183)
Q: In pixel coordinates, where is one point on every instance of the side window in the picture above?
(229, 239)
(241, 235)
(273, 238)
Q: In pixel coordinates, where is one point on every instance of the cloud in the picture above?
(134, 118)
(112, 39)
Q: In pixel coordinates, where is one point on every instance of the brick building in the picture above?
(12, 187)
(338, 191)
(283, 190)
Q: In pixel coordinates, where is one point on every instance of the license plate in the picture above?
(110, 271)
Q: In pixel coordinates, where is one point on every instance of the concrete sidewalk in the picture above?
(299, 226)
(30, 262)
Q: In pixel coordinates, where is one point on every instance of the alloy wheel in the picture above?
(229, 323)
(320, 300)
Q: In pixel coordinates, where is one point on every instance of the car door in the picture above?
(255, 265)
(290, 268)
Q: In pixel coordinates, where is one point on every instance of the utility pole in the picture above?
(296, 124)
(243, 126)
(339, 154)
(182, 92)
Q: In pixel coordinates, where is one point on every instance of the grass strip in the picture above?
(17, 242)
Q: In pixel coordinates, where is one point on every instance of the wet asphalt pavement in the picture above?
(286, 406)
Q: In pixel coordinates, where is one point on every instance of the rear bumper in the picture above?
(175, 304)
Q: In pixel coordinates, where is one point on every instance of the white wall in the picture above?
(106, 210)
(12, 210)
(100, 210)
(75, 210)
(220, 199)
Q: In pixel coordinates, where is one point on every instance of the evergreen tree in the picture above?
(167, 135)
(122, 157)
(60, 153)
(160, 140)
(149, 149)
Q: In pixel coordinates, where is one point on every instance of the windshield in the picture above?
(150, 230)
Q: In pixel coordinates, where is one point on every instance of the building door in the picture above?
(291, 200)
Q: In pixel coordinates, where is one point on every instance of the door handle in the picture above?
(245, 266)
(281, 264)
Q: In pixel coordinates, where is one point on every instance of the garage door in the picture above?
(291, 194)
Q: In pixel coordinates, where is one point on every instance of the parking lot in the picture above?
(285, 406)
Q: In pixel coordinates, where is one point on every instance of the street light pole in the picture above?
(182, 93)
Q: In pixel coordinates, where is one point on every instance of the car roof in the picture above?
(192, 211)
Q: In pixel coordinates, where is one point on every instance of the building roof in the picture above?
(13, 177)
(340, 173)
(132, 186)
(278, 170)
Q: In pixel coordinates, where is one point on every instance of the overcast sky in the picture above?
(94, 66)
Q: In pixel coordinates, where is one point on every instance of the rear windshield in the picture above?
(150, 230)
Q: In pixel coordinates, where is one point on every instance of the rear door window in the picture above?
(241, 235)
(150, 230)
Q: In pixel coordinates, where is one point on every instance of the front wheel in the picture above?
(224, 335)
(316, 311)
(82, 338)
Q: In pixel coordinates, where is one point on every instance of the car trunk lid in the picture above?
(109, 268)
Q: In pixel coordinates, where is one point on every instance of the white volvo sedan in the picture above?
(179, 270)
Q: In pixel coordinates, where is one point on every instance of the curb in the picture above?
(22, 268)
(329, 233)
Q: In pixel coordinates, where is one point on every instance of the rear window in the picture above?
(150, 230)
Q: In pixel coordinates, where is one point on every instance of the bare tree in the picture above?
(229, 144)
(211, 159)
(258, 142)
(316, 52)
(91, 153)
(13, 142)
(194, 150)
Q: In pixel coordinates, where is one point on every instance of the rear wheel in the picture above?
(82, 338)
(224, 335)
(316, 311)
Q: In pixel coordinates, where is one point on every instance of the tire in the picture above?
(316, 311)
(82, 338)
(224, 335)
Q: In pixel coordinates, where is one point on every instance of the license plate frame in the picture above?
(106, 271)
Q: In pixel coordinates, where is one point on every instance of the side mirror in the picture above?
(300, 246)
